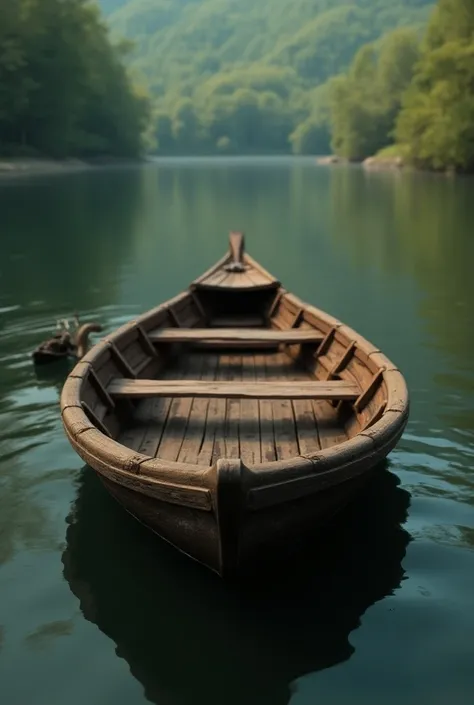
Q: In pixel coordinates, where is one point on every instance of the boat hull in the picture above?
(234, 470)
(234, 536)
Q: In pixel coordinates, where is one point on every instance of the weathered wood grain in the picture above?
(267, 437)
(177, 421)
(250, 448)
(305, 420)
(140, 388)
(196, 428)
(214, 416)
(284, 430)
(232, 413)
(251, 336)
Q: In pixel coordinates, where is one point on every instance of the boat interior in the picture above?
(234, 367)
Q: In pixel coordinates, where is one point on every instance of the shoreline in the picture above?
(24, 166)
(374, 163)
(19, 166)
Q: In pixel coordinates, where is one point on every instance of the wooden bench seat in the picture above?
(241, 336)
(140, 388)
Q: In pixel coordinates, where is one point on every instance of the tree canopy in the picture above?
(63, 88)
(417, 92)
(366, 101)
(437, 119)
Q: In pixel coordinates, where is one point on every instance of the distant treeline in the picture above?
(239, 77)
(247, 76)
(63, 88)
(411, 88)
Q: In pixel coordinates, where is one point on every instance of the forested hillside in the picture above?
(63, 88)
(419, 95)
(436, 124)
(247, 76)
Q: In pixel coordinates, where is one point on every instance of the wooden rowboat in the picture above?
(233, 418)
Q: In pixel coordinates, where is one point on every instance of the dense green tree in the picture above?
(312, 134)
(365, 102)
(437, 120)
(63, 88)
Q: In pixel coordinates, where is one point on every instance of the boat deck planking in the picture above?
(198, 430)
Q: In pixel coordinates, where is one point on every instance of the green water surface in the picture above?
(95, 610)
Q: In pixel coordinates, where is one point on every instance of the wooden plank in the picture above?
(145, 341)
(267, 438)
(212, 270)
(145, 432)
(232, 414)
(94, 419)
(174, 317)
(134, 354)
(251, 262)
(141, 388)
(241, 280)
(367, 395)
(326, 344)
(120, 361)
(229, 281)
(305, 420)
(286, 443)
(218, 447)
(154, 415)
(340, 364)
(275, 303)
(283, 317)
(257, 278)
(249, 430)
(100, 389)
(198, 304)
(215, 411)
(178, 416)
(216, 278)
(134, 435)
(330, 429)
(237, 335)
(144, 364)
(196, 429)
(297, 319)
(189, 318)
(376, 416)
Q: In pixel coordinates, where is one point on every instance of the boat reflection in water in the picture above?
(189, 638)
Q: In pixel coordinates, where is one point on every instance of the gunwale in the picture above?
(261, 485)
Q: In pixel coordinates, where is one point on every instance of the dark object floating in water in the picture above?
(234, 418)
(66, 343)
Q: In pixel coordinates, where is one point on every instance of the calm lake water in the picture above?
(95, 610)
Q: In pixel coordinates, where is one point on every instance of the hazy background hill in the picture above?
(246, 76)
(181, 40)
